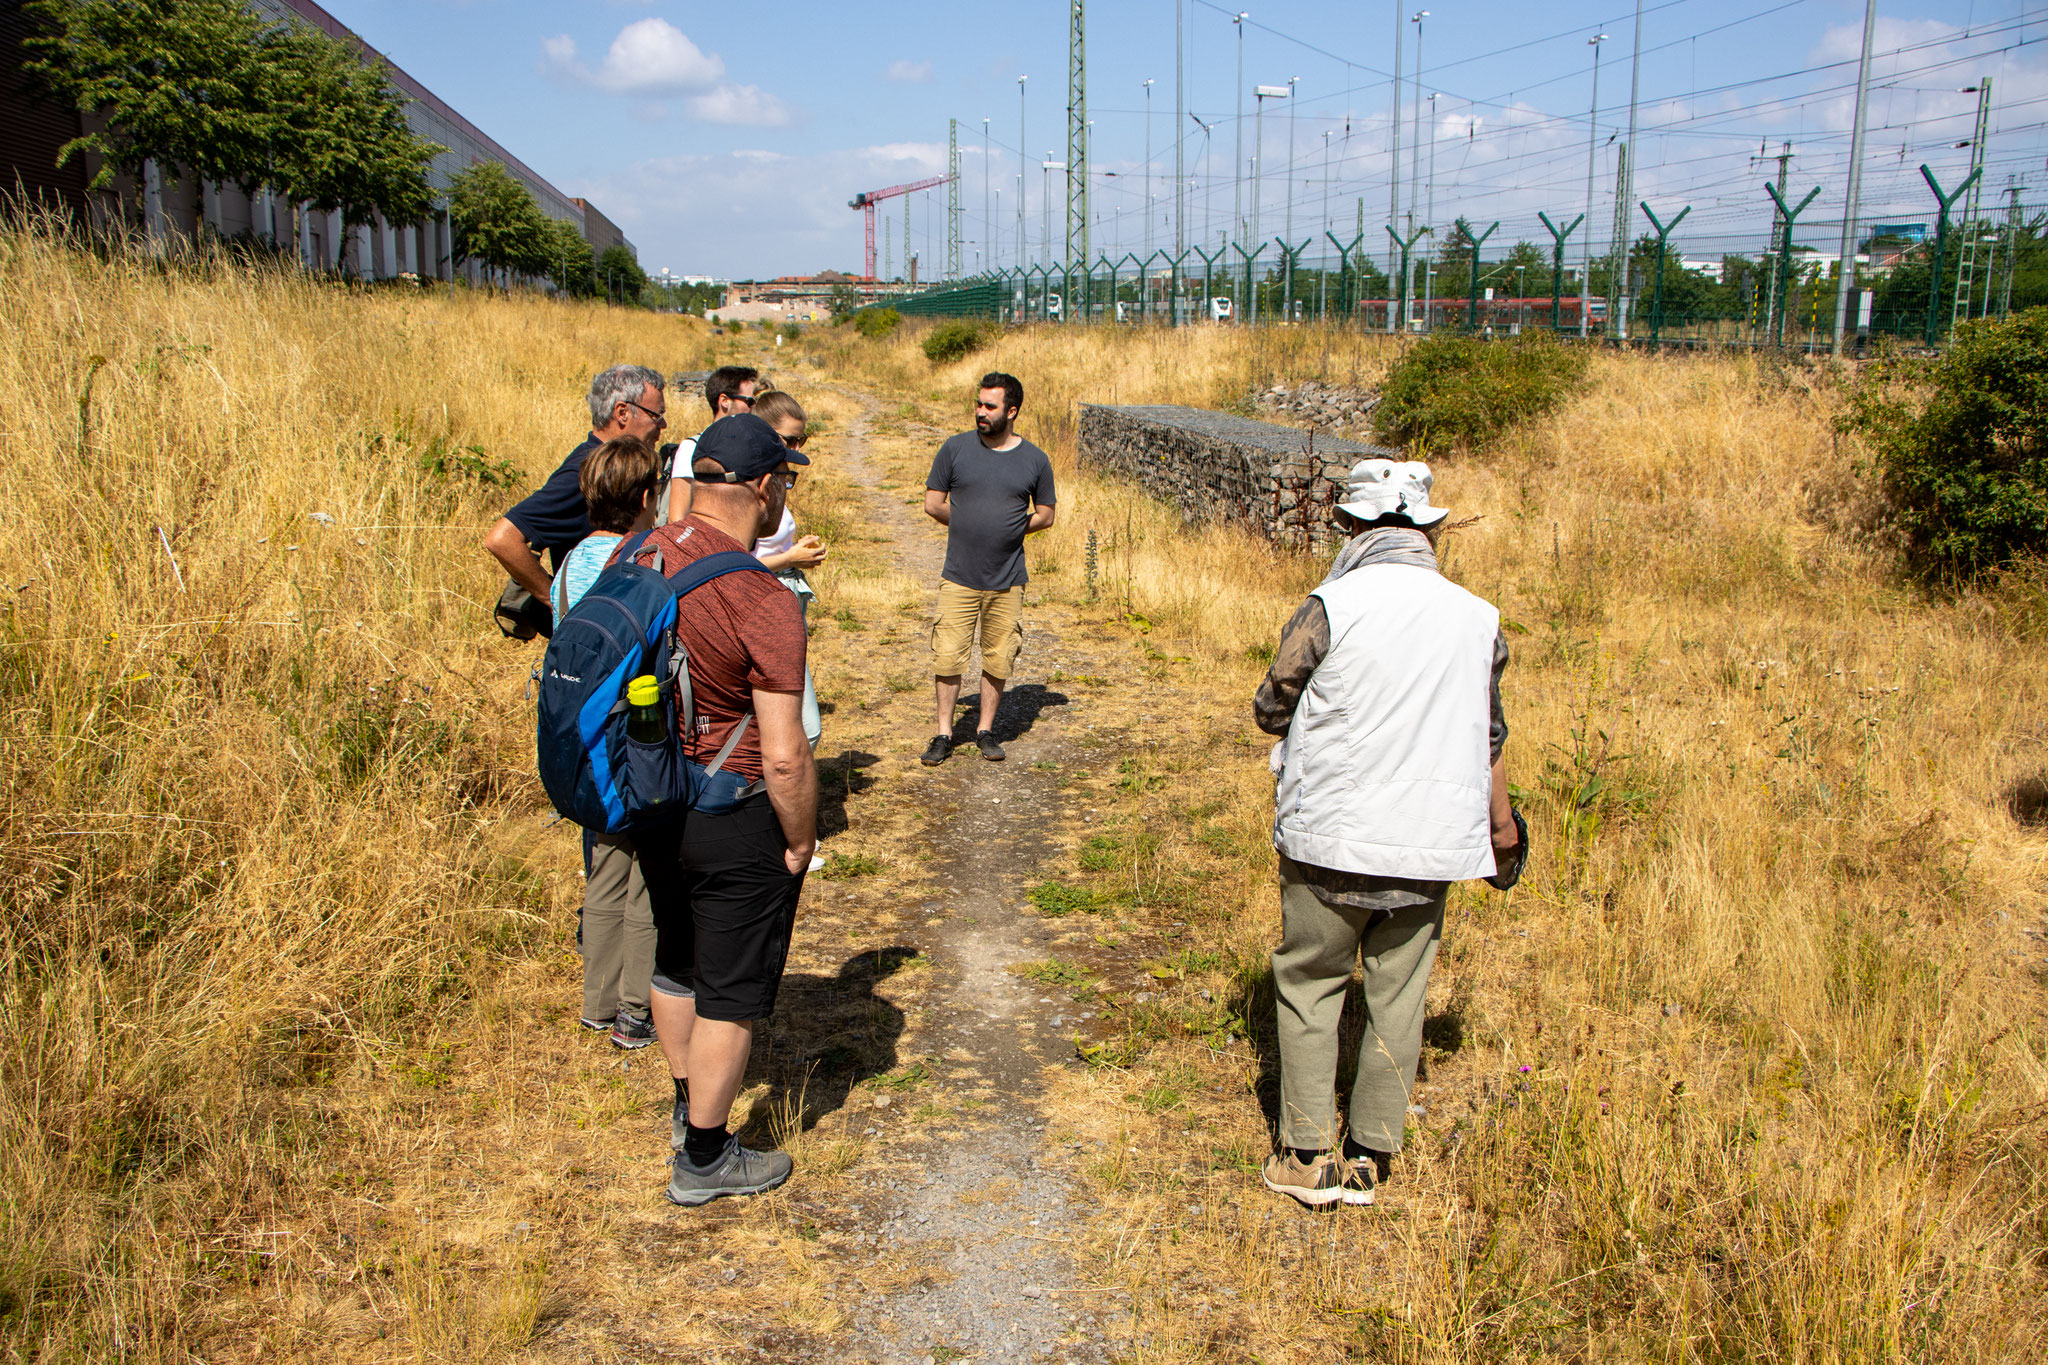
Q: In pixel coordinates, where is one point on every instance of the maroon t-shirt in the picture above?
(744, 631)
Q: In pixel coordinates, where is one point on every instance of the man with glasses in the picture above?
(727, 390)
(724, 882)
(626, 400)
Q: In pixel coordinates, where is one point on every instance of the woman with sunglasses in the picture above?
(784, 552)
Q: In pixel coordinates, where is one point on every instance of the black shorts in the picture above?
(724, 902)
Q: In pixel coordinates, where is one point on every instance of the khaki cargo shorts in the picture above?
(968, 616)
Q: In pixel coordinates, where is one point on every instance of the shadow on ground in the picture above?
(828, 1034)
(1016, 713)
(841, 778)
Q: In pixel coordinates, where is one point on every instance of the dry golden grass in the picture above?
(263, 829)
(1755, 1065)
(286, 1071)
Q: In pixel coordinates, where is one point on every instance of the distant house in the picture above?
(33, 128)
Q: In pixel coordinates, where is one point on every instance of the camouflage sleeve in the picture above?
(1304, 641)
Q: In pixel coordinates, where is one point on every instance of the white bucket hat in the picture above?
(1381, 488)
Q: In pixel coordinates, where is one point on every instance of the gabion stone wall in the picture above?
(1278, 481)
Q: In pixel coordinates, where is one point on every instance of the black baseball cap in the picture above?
(745, 447)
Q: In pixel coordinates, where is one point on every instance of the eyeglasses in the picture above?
(796, 442)
(660, 419)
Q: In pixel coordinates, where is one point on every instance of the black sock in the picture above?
(1354, 1150)
(682, 1090)
(703, 1145)
(1307, 1156)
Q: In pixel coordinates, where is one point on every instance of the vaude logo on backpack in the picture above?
(624, 627)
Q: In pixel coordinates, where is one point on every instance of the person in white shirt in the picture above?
(1386, 686)
(785, 552)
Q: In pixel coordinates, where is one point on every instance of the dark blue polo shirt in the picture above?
(553, 516)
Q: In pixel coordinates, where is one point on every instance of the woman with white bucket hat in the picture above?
(1391, 786)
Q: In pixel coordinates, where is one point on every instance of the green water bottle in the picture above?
(644, 720)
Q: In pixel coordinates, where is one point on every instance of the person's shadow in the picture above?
(841, 778)
(1016, 712)
(827, 1035)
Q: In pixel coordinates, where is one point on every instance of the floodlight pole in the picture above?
(1846, 280)
(1592, 151)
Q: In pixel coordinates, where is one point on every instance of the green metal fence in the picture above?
(1783, 297)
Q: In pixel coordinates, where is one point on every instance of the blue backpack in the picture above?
(623, 627)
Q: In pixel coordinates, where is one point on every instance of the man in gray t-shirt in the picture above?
(990, 488)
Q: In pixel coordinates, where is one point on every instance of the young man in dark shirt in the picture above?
(990, 488)
(727, 390)
(626, 400)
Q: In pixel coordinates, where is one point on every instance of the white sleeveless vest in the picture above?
(1387, 769)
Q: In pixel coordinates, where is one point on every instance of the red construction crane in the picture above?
(869, 198)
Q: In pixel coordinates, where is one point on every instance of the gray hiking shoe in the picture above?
(631, 1032)
(738, 1170)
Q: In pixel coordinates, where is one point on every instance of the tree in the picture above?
(844, 301)
(179, 82)
(496, 221)
(620, 274)
(342, 141)
(570, 263)
(1961, 447)
(1526, 270)
(205, 88)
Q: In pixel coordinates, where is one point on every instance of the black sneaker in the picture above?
(937, 751)
(738, 1170)
(631, 1032)
(985, 740)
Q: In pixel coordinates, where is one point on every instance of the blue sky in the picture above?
(727, 140)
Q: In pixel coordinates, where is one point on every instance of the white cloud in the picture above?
(743, 106)
(748, 213)
(907, 71)
(929, 157)
(649, 57)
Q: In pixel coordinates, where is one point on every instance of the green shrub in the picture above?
(1460, 390)
(791, 331)
(1960, 446)
(950, 341)
(876, 322)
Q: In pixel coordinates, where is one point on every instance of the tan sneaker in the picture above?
(1314, 1183)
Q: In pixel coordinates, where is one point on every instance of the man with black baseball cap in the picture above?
(724, 882)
